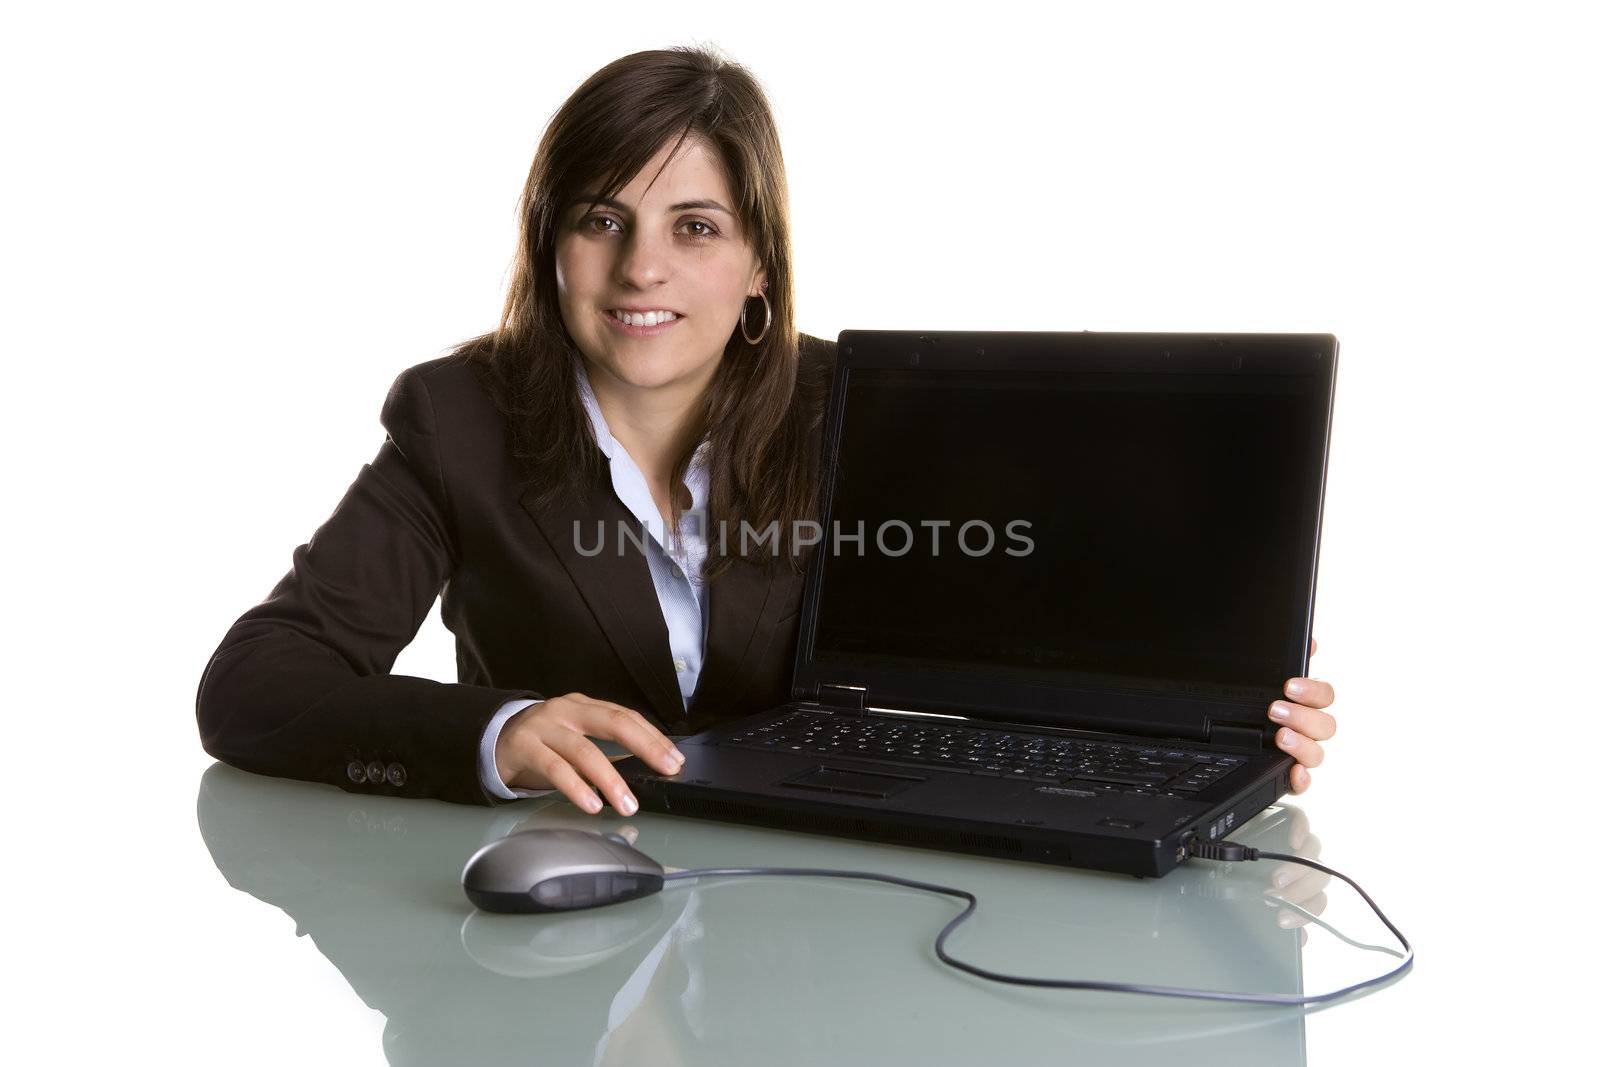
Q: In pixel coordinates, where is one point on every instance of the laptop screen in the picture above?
(1140, 531)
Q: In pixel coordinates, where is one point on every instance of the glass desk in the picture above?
(803, 970)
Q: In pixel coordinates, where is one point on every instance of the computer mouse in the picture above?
(558, 870)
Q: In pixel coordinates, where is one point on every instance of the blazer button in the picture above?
(375, 772)
(355, 771)
(396, 774)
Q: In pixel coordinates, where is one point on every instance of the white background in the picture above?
(227, 227)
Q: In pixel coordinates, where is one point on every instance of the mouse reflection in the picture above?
(375, 883)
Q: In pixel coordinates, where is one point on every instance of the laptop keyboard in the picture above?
(1099, 766)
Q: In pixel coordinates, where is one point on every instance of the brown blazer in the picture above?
(300, 686)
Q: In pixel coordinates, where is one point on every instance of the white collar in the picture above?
(695, 477)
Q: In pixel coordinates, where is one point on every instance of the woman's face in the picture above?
(675, 248)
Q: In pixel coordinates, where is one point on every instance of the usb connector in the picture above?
(1222, 850)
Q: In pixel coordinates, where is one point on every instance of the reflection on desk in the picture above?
(722, 970)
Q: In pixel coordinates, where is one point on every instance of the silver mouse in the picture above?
(558, 870)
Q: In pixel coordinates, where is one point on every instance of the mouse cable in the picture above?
(1224, 850)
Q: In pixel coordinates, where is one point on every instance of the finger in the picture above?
(630, 831)
(1299, 827)
(602, 718)
(1309, 722)
(561, 774)
(586, 756)
(1312, 692)
(1285, 874)
(1299, 779)
(614, 722)
(1313, 646)
(1304, 937)
(1302, 748)
(1288, 918)
(1308, 888)
(1303, 888)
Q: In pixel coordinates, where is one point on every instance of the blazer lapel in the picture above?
(618, 589)
(616, 585)
(743, 611)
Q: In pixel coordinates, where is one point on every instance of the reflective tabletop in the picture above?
(788, 969)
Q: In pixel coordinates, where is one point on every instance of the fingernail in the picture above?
(1297, 687)
(591, 803)
(629, 805)
(1287, 739)
(1281, 878)
(1278, 711)
(676, 754)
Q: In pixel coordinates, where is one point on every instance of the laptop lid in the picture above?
(1101, 531)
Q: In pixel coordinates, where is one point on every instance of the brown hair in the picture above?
(755, 412)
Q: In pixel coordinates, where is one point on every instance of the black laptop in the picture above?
(1059, 580)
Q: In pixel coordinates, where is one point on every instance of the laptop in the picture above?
(1058, 580)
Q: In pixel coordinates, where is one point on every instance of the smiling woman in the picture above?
(646, 364)
(658, 188)
(652, 289)
(646, 370)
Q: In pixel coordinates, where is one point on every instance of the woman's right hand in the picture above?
(547, 746)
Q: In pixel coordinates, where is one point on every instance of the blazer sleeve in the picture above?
(300, 686)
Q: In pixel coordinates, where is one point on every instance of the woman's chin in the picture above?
(644, 371)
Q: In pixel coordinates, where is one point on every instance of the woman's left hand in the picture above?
(1304, 724)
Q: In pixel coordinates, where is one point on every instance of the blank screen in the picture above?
(1164, 513)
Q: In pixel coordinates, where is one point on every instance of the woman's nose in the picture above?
(642, 260)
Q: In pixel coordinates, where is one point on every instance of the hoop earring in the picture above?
(744, 328)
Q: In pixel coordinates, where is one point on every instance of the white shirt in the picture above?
(674, 569)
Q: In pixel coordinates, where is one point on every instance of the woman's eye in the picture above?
(607, 224)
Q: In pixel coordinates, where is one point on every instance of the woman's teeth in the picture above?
(648, 318)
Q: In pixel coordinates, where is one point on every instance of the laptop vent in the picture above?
(849, 826)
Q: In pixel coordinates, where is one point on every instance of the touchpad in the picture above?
(857, 783)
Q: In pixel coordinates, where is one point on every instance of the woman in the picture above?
(646, 370)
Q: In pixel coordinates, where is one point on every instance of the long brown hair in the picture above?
(759, 411)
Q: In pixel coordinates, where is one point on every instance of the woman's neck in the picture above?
(655, 426)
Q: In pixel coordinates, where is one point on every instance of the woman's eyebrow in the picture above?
(687, 205)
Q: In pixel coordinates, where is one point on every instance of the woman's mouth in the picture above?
(642, 324)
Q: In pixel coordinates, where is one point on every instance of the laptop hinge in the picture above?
(850, 699)
(1236, 734)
